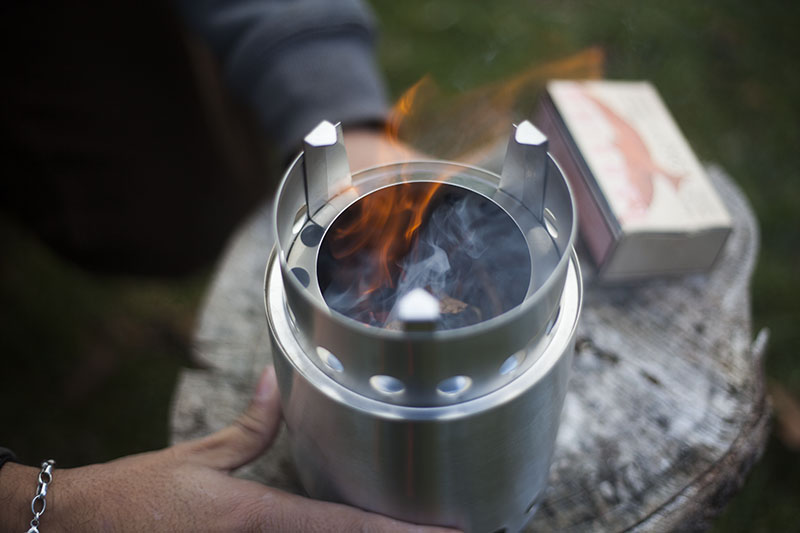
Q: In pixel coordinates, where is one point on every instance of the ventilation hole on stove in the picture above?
(302, 276)
(387, 385)
(512, 363)
(454, 386)
(329, 360)
(311, 235)
(552, 322)
(550, 223)
(299, 220)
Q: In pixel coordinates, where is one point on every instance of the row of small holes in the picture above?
(450, 387)
(391, 386)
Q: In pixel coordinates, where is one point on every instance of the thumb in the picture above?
(249, 435)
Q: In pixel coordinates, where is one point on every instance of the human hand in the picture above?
(188, 487)
(370, 147)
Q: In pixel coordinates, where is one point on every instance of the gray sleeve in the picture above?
(296, 61)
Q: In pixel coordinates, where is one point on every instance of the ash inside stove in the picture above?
(456, 244)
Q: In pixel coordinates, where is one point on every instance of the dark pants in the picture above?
(119, 146)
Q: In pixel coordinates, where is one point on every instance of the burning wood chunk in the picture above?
(451, 306)
(454, 313)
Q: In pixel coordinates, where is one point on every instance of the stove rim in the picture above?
(481, 328)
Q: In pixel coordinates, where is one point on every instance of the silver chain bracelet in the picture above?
(45, 478)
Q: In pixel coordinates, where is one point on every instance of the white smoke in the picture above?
(467, 250)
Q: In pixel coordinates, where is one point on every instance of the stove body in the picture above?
(445, 427)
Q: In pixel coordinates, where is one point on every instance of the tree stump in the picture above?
(666, 410)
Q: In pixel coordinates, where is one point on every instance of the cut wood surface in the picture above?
(665, 414)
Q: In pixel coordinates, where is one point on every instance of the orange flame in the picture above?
(387, 221)
(473, 125)
(402, 109)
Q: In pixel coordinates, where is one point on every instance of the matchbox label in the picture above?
(638, 156)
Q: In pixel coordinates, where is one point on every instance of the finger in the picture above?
(250, 434)
(281, 511)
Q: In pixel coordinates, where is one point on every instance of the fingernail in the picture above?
(266, 384)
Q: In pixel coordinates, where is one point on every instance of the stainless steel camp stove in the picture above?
(423, 352)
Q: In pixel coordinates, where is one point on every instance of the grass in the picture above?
(89, 362)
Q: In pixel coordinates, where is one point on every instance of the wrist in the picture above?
(369, 147)
(17, 488)
(66, 509)
(69, 506)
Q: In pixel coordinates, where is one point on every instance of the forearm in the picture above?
(296, 63)
(129, 494)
